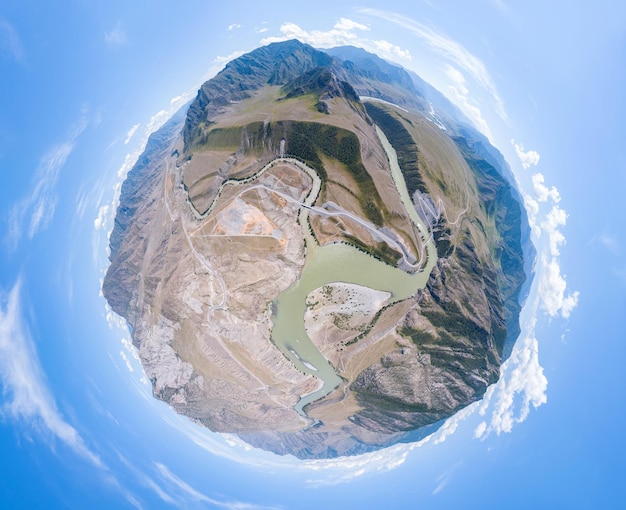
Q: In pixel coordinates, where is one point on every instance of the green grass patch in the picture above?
(228, 138)
(306, 140)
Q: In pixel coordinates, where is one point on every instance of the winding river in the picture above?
(340, 263)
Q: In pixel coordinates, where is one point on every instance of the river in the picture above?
(340, 263)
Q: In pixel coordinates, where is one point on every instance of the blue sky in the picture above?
(83, 83)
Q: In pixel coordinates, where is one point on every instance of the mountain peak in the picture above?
(322, 81)
(275, 64)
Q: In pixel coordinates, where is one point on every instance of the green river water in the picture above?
(340, 263)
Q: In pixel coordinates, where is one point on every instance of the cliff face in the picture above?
(206, 238)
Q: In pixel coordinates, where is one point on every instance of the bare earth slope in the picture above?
(214, 224)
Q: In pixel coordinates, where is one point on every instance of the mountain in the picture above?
(275, 64)
(320, 254)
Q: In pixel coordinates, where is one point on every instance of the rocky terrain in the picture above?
(214, 226)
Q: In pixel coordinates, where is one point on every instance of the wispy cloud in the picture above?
(175, 481)
(448, 48)
(35, 211)
(115, 37)
(234, 26)
(10, 43)
(444, 478)
(610, 242)
(528, 158)
(262, 29)
(175, 491)
(26, 398)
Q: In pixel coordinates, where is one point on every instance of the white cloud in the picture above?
(156, 488)
(26, 396)
(522, 384)
(552, 287)
(440, 485)
(460, 95)
(221, 60)
(451, 424)
(480, 430)
(569, 303)
(450, 49)
(127, 361)
(385, 48)
(542, 192)
(10, 43)
(131, 133)
(444, 478)
(103, 212)
(528, 158)
(532, 208)
(551, 225)
(167, 475)
(349, 25)
(115, 37)
(344, 32)
(456, 77)
(35, 211)
(345, 469)
(234, 26)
